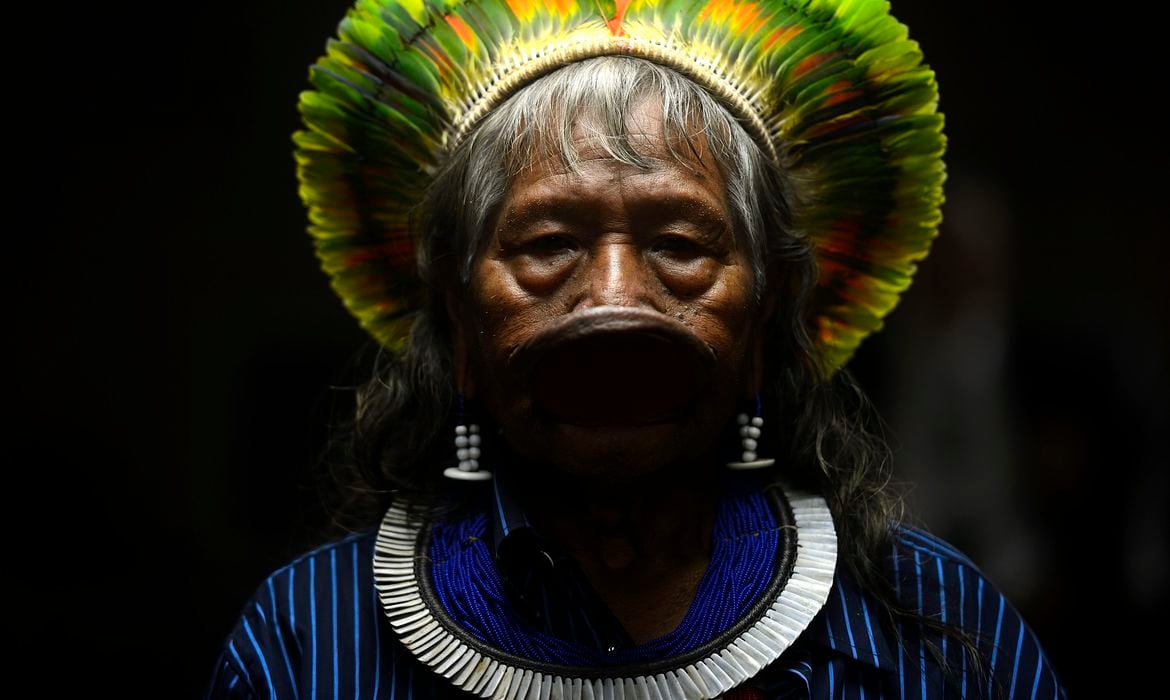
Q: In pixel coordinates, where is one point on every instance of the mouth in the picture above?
(616, 368)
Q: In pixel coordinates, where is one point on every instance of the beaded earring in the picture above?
(750, 429)
(467, 441)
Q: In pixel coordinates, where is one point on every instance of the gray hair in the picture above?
(821, 425)
(537, 123)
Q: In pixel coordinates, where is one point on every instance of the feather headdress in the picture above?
(833, 89)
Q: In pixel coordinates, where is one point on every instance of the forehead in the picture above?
(638, 137)
(641, 153)
(641, 169)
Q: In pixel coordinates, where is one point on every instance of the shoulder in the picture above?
(282, 624)
(297, 589)
(933, 579)
(909, 540)
(335, 558)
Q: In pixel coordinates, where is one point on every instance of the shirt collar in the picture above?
(517, 546)
(508, 517)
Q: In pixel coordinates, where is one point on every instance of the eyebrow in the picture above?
(560, 208)
(545, 209)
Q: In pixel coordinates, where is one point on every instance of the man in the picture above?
(613, 450)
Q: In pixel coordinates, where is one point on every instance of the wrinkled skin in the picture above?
(613, 235)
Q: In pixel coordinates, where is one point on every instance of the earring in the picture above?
(750, 429)
(467, 440)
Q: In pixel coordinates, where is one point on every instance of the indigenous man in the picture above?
(618, 255)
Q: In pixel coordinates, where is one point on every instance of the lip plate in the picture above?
(617, 368)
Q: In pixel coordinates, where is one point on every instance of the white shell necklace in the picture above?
(785, 610)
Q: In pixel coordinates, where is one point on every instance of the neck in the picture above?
(643, 544)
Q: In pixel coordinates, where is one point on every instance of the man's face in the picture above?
(612, 237)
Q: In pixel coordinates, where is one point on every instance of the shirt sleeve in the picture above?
(1017, 664)
(228, 681)
(251, 663)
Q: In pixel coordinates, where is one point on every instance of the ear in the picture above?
(459, 336)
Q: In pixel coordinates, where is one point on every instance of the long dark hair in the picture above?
(821, 426)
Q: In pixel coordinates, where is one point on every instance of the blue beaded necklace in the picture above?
(467, 583)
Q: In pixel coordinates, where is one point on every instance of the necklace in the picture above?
(749, 545)
(799, 588)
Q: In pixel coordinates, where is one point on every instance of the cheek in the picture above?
(508, 308)
(721, 314)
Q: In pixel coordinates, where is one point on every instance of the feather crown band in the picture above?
(833, 89)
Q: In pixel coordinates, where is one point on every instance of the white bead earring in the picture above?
(467, 441)
(750, 430)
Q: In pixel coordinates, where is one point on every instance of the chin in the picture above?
(616, 453)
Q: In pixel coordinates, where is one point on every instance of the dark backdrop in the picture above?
(177, 344)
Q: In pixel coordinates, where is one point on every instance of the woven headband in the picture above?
(831, 89)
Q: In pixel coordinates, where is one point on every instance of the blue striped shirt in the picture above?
(315, 629)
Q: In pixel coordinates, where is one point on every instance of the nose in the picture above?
(616, 276)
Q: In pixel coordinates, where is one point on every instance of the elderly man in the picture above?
(618, 254)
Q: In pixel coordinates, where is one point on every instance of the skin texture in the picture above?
(633, 503)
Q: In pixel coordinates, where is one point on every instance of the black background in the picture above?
(176, 343)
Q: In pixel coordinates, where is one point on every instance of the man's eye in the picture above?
(551, 244)
(676, 244)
